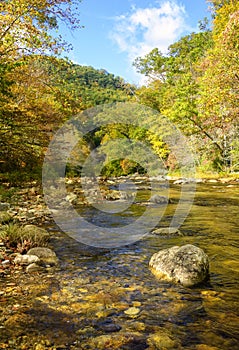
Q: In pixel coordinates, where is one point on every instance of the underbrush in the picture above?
(22, 238)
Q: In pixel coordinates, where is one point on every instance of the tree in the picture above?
(25, 26)
(28, 115)
(174, 87)
(219, 99)
(29, 105)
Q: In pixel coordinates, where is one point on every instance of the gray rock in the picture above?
(157, 199)
(25, 259)
(188, 265)
(167, 231)
(34, 268)
(46, 255)
(184, 181)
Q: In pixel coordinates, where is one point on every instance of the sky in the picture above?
(118, 31)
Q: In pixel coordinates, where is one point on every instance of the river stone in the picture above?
(188, 265)
(46, 255)
(71, 197)
(112, 195)
(132, 311)
(34, 268)
(121, 340)
(157, 199)
(25, 259)
(162, 339)
(167, 231)
(181, 182)
(108, 326)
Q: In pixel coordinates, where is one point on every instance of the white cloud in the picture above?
(144, 29)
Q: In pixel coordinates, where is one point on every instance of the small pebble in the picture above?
(5, 262)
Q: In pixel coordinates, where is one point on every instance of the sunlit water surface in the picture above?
(88, 297)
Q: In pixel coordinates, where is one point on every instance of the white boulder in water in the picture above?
(188, 265)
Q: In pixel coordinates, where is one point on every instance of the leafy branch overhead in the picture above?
(25, 26)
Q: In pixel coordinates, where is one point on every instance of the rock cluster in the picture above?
(37, 259)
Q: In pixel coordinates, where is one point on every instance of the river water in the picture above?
(109, 299)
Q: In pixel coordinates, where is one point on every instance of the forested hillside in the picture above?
(195, 85)
(92, 87)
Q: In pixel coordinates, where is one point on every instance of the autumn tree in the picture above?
(26, 25)
(219, 97)
(173, 88)
(196, 85)
(29, 102)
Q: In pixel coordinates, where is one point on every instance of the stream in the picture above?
(109, 299)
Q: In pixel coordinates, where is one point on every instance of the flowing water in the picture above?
(109, 299)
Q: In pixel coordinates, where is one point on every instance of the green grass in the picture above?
(7, 194)
(22, 238)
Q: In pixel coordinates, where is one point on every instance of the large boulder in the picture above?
(188, 265)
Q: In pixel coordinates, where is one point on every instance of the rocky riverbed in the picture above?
(108, 299)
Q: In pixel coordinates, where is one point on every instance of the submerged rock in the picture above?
(121, 340)
(188, 265)
(108, 326)
(132, 311)
(163, 339)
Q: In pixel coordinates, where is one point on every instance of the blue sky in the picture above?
(117, 31)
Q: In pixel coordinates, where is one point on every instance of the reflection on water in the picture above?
(108, 299)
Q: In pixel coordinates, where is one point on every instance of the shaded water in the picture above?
(108, 299)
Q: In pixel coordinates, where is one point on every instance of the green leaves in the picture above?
(25, 26)
(196, 84)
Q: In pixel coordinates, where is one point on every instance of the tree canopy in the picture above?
(196, 86)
